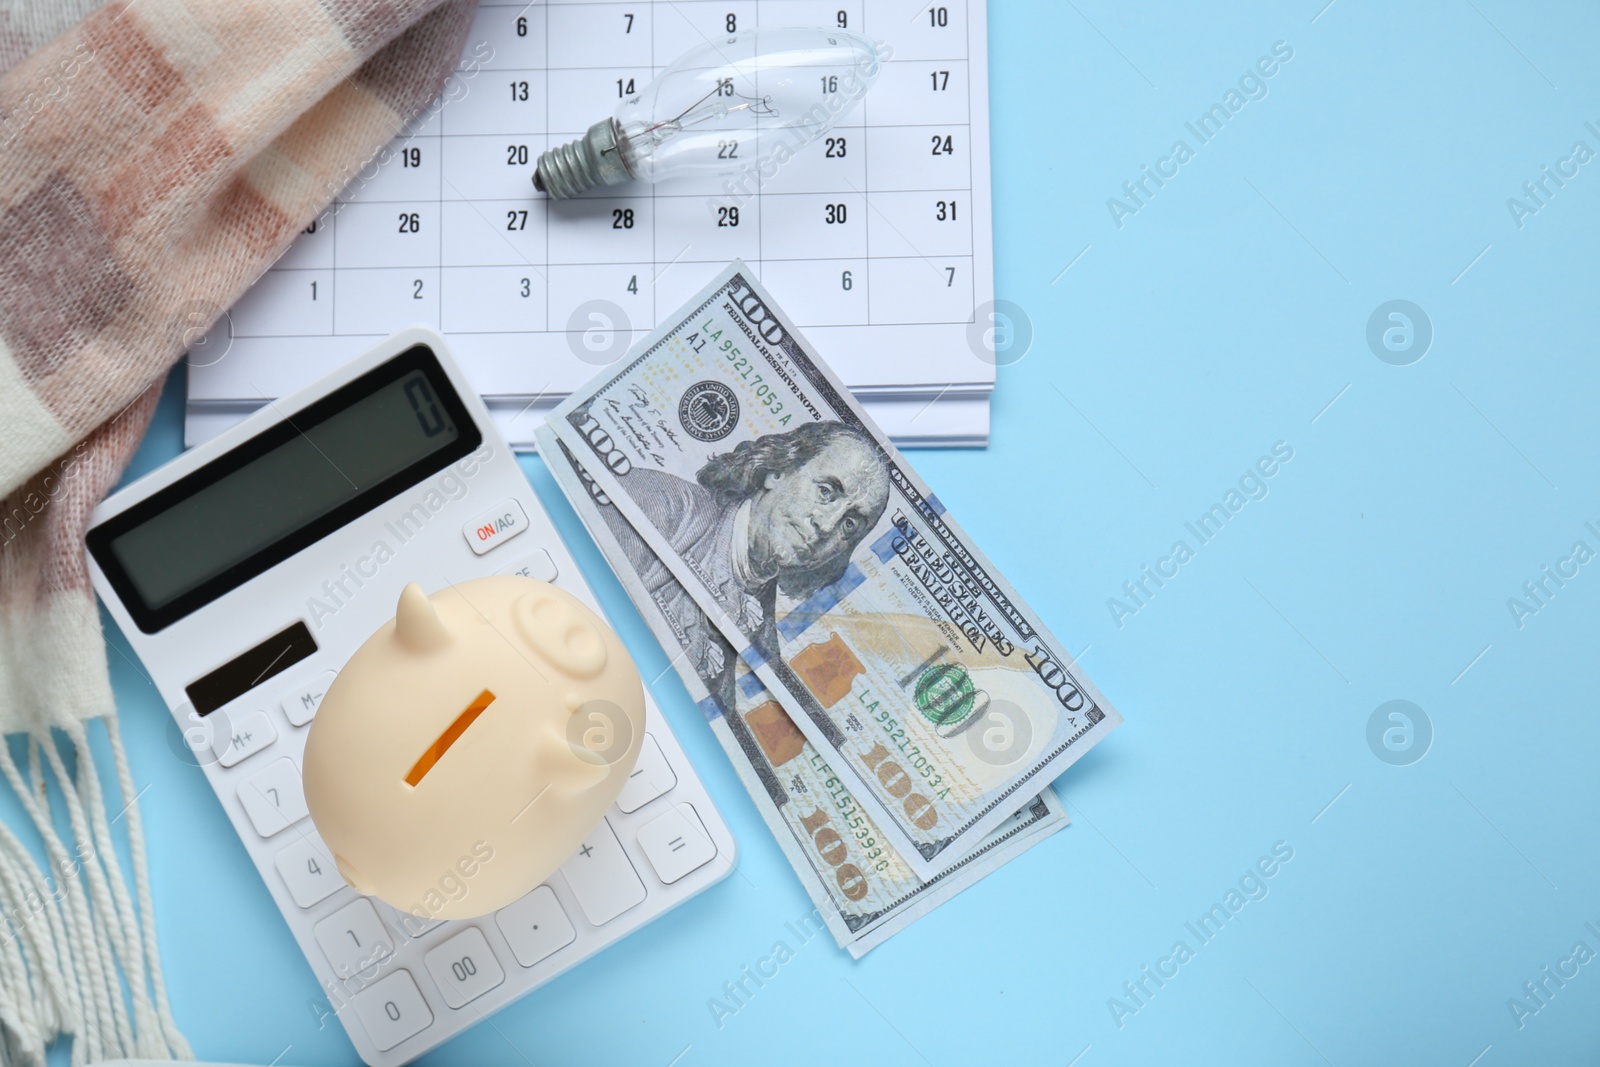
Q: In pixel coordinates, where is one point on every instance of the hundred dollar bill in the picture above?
(863, 890)
(929, 687)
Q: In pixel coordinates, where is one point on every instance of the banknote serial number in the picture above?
(740, 366)
(831, 847)
(855, 819)
(912, 752)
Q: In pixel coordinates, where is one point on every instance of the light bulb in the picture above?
(747, 101)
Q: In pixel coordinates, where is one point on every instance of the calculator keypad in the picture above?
(273, 797)
(495, 527)
(464, 967)
(393, 1009)
(650, 778)
(243, 738)
(536, 564)
(354, 938)
(300, 705)
(535, 926)
(602, 877)
(676, 843)
(308, 871)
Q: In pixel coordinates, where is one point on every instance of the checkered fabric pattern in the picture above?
(155, 158)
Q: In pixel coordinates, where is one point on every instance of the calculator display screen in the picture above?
(285, 488)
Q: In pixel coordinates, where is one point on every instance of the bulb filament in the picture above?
(756, 105)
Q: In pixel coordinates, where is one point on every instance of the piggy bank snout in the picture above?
(561, 635)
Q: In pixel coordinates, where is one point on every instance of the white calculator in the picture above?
(247, 570)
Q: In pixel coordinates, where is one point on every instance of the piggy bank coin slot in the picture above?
(451, 735)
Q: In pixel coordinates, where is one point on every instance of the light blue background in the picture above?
(1224, 316)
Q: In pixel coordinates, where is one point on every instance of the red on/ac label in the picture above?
(502, 523)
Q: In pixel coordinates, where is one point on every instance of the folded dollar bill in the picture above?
(934, 693)
(863, 890)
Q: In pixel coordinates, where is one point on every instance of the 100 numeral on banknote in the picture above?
(840, 579)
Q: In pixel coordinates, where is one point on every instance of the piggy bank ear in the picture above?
(416, 623)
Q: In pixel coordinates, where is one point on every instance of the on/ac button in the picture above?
(500, 523)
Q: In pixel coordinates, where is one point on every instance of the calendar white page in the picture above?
(877, 238)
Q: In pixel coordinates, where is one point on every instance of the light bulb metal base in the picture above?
(592, 160)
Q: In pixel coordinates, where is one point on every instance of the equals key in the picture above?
(676, 843)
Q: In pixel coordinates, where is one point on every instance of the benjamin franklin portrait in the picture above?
(782, 512)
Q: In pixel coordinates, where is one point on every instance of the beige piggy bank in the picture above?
(471, 744)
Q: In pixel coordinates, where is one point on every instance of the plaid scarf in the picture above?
(155, 158)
